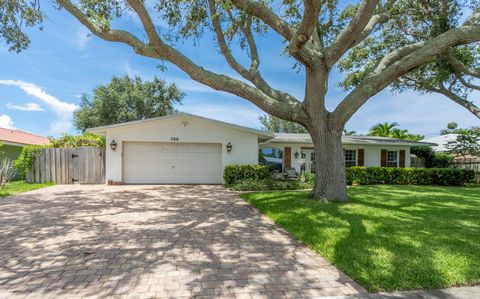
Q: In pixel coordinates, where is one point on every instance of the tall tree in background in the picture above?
(274, 124)
(382, 129)
(126, 99)
(377, 43)
(391, 130)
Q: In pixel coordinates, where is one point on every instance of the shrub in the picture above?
(85, 139)
(269, 184)
(26, 158)
(409, 176)
(236, 173)
(7, 172)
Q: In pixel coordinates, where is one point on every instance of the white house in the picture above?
(190, 149)
(442, 142)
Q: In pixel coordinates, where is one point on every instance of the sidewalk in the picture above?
(451, 293)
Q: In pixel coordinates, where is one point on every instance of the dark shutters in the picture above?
(383, 158)
(361, 157)
(288, 157)
(402, 159)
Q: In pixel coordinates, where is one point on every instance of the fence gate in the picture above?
(83, 165)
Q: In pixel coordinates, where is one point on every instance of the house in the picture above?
(442, 142)
(190, 149)
(14, 140)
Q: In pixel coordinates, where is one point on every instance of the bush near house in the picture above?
(238, 173)
(409, 176)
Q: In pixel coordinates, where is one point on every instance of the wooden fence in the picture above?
(83, 165)
(417, 162)
(470, 163)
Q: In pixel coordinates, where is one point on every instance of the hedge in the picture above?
(237, 173)
(269, 184)
(409, 176)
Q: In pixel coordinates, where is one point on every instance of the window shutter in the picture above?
(361, 157)
(383, 158)
(402, 159)
(288, 157)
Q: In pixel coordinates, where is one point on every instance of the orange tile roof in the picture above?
(16, 136)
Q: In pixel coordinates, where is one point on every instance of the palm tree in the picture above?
(383, 130)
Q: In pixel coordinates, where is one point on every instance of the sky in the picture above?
(41, 87)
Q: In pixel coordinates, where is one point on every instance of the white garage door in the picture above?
(172, 163)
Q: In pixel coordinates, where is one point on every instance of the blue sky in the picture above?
(40, 87)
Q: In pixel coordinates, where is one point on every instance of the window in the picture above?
(392, 158)
(312, 162)
(350, 157)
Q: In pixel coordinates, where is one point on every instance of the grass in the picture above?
(388, 237)
(17, 187)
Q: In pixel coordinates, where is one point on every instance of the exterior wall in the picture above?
(10, 151)
(372, 152)
(245, 145)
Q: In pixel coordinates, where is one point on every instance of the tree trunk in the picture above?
(330, 182)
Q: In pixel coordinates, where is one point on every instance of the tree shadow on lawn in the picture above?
(387, 239)
(104, 241)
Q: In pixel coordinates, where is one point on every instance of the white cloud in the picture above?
(63, 110)
(25, 107)
(6, 122)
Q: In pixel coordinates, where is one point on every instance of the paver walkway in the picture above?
(153, 241)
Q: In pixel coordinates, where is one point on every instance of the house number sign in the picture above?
(173, 138)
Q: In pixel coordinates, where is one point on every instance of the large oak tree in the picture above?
(377, 43)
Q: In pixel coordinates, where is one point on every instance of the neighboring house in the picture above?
(185, 148)
(14, 140)
(441, 142)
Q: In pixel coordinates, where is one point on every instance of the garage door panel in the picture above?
(172, 163)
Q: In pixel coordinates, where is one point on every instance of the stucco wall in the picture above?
(245, 145)
(372, 152)
(10, 151)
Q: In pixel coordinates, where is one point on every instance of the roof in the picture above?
(103, 129)
(21, 137)
(442, 141)
(360, 139)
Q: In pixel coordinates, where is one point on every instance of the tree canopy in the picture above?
(406, 44)
(274, 124)
(126, 99)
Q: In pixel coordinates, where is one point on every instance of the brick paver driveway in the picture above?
(152, 241)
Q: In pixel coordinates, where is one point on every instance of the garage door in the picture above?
(172, 163)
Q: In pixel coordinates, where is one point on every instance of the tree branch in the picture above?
(470, 106)
(262, 12)
(399, 65)
(459, 66)
(346, 38)
(306, 26)
(253, 75)
(466, 83)
(289, 110)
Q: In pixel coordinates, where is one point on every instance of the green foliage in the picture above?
(269, 184)
(388, 237)
(432, 159)
(274, 124)
(71, 141)
(236, 173)
(466, 144)
(409, 176)
(14, 14)
(26, 158)
(390, 130)
(126, 99)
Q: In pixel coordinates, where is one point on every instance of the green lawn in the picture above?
(17, 187)
(388, 237)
